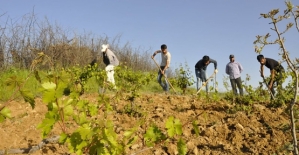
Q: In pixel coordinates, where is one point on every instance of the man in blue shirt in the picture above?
(234, 70)
(200, 70)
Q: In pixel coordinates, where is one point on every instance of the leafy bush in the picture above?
(183, 77)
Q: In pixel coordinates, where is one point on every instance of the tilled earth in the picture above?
(260, 130)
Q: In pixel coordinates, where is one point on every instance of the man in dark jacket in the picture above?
(200, 70)
(276, 71)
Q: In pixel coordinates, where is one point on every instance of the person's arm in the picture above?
(158, 51)
(262, 70)
(240, 67)
(167, 63)
(226, 69)
(215, 63)
(272, 77)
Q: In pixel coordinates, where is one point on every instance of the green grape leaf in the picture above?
(182, 147)
(46, 126)
(93, 110)
(63, 137)
(81, 104)
(178, 126)
(153, 135)
(173, 126)
(110, 136)
(68, 110)
(12, 82)
(82, 118)
(28, 97)
(2, 118)
(80, 147)
(128, 133)
(170, 126)
(61, 88)
(49, 96)
(5, 112)
(49, 85)
(76, 144)
(85, 133)
(52, 106)
(103, 151)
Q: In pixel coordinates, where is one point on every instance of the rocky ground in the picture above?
(260, 130)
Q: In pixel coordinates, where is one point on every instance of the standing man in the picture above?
(234, 69)
(276, 71)
(110, 60)
(166, 57)
(200, 71)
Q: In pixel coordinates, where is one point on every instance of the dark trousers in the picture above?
(277, 81)
(237, 82)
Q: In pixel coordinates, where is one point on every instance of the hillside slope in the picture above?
(259, 130)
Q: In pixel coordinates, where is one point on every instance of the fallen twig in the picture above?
(32, 148)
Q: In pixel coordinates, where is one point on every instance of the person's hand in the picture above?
(162, 71)
(152, 57)
(203, 83)
(215, 71)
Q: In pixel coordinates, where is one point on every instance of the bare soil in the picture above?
(262, 130)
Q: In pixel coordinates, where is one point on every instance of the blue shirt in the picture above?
(234, 69)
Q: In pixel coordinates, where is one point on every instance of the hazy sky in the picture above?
(190, 28)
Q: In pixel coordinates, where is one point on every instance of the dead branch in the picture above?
(31, 149)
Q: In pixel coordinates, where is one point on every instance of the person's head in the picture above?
(231, 58)
(105, 47)
(206, 59)
(164, 48)
(260, 58)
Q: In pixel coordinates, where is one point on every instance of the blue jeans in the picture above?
(201, 75)
(164, 85)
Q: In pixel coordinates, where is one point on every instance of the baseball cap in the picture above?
(104, 47)
(231, 56)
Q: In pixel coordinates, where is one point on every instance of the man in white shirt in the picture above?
(110, 60)
(166, 58)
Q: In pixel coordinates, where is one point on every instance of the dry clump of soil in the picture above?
(259, 131)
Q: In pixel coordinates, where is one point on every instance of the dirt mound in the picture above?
(259, 130)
